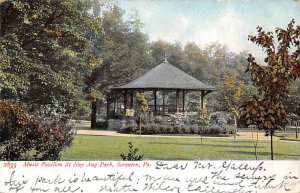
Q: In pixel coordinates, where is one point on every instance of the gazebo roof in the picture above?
(166, 76)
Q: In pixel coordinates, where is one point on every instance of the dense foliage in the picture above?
(44, 49)
(27, 137)
(122, 52)
(209, 65)
(132, 154)
(45, 55)
(151, 129)
(273, 79)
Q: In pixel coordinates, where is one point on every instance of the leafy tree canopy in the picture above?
(45, 51)
(274, 78)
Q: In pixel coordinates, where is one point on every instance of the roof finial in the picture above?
(165, 57)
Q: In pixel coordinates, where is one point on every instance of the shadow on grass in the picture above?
(208, 145)
(260, 153)
(248, 141)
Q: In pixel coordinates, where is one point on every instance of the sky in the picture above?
(228, 22)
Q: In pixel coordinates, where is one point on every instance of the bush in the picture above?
(192, 120)
(194, 129)
(170, 129)
(21, 133)
(203, 130)
(186, 129)
(129, 129)
(150, 129)
(57, 135)
(150, 119)
(218, 118)
(215, 129)
(146, 129)
(163, 129)
(101, 124)
(157, 120)
(131, 155)
(229, 129)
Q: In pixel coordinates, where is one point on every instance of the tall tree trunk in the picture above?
(255, 142)
(272, 153)
(94, 113)
(296, 129)
(235, 126)
(140, 124)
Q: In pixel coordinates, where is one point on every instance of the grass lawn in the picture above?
(110, 147)
(289, 134)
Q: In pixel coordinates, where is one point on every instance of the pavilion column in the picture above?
(177, 101)
(125, 100)
(131, 99)
(163, 102)
(183, 100)
(154, 92)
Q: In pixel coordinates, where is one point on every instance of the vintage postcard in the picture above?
(149, 96)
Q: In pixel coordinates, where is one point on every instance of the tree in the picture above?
(273, 79)
(233, 93)
(142, 107)
(45, 54)
(45, 51)
(292, 103)
(173, 51)
(123, 54)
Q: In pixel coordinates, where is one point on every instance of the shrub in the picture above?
(229, 129)
(155, 129)
(215, 129)
(203, 130)
(129, 129)
(147, 129)
(101, 124)
(150, 129)
(181, 129)
(157, 120)
(21, 133)
(176, 129)
(218, 118)
(57, 134)
(186, 129)
(170, 129)
(163, 129)
(150, 119)
(131, 155)
(192, 120)
(194, 129)
(146, 119)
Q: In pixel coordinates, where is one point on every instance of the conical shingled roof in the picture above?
(166, 76)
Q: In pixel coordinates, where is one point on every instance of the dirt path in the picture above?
(254, 135)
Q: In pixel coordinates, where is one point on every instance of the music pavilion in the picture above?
(164, 78)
